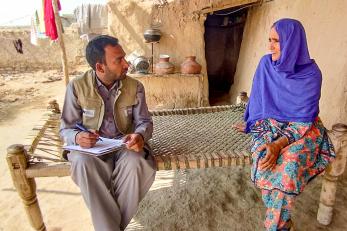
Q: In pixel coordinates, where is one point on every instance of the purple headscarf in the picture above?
(288, 89)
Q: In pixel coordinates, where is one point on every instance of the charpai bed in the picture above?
(183, 139)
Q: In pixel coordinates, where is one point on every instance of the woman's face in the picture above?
(274, 44)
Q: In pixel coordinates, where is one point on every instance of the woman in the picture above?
(290, 145)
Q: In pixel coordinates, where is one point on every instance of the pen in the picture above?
(83, 128)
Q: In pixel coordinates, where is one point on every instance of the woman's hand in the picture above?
(271, 156)
(272, 152)
(240, 126)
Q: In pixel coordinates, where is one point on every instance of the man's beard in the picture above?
(123, 75)
(118, 77)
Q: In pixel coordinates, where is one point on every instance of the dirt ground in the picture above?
(207, 199)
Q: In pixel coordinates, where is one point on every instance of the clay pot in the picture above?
(242, 98)
(164, 66)
(190, 66)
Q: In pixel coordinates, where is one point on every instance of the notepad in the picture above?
(101, 147)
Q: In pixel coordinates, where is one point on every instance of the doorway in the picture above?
(223, 36)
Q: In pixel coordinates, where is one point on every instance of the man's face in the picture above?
(274, 44)
(115, 66)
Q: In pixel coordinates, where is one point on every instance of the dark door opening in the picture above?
(223, 36)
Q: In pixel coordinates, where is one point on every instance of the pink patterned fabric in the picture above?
(308, 153)
(279, 206)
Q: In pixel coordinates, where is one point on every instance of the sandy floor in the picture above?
(208, 199)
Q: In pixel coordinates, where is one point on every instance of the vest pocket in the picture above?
(128, 111)
(91, 109)
(126, 117)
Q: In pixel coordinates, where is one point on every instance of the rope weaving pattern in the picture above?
(182, 139)
(199, 139)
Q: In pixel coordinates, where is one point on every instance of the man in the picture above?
(112, 105)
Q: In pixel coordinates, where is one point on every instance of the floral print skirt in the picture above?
(308, 154)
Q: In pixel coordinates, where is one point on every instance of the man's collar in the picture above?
(100, 84)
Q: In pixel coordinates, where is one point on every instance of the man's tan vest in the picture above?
(93, 105)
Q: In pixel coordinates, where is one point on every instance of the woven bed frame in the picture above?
(183, 139)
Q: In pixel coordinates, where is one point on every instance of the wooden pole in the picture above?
(61, 40)
(338, 136)
(26, 187)
(152, 60)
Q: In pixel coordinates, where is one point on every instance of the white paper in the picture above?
(101, 147)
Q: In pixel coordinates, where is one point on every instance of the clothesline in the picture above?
(12, 38)
(16, 19)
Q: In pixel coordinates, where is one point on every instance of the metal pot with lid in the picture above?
(152, 35)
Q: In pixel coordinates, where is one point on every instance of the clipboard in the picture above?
(101, 147)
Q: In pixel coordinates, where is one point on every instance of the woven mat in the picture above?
(199, 139)
(186, 138)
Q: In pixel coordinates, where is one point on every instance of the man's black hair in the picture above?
(95, 50)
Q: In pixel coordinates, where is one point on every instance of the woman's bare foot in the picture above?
(240, 126)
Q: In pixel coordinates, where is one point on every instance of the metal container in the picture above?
(152, 35)
(141, 65)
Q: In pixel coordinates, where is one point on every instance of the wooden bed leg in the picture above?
(26, 187)
(338, 136)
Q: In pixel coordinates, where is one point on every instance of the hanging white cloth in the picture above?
(91, 19)
(37, 33)
(33, 32)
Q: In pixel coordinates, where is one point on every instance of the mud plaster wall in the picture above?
(44, 57)
(325, 25)
(160, 93)
(181, 23)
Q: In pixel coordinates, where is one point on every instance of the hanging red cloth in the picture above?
(50, 26)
